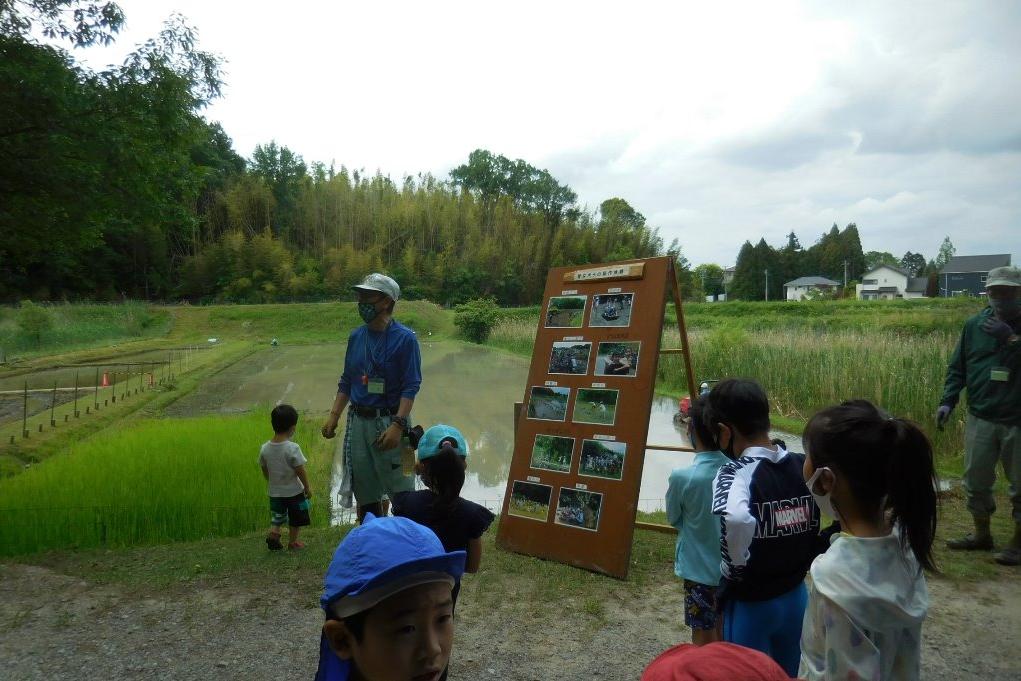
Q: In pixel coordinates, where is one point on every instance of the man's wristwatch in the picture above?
(402, 421)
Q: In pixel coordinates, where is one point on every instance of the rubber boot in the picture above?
(981, 540)
(1011, 554)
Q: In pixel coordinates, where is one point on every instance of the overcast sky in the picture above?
(720, 121)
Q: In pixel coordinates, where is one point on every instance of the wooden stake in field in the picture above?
(97, 388)
(24, 413)
(53, 406)
(76, 394)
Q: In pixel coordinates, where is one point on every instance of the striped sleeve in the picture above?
(732, 502)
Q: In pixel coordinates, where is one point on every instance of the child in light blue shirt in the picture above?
(689, 504)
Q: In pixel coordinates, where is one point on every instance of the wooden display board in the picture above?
(580, 441)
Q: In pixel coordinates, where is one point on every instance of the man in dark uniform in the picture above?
(987, 362)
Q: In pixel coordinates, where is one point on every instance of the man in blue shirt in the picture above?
(382, 375)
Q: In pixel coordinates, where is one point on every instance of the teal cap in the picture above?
(432, 441)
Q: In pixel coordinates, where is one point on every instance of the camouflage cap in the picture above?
(1004, 276)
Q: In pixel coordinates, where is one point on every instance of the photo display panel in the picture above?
(579, 445)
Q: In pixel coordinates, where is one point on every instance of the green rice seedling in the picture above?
(152, 482)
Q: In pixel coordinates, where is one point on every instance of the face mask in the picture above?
(1005, 309)
(823, 501)
(367, 311)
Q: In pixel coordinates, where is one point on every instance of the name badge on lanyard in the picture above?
(375, 386)
(1001, 374)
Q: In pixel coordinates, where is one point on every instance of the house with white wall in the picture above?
(887, 282)
(797, 289)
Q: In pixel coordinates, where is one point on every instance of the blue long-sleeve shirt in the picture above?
(392, 355)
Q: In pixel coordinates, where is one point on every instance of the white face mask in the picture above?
(823, 501)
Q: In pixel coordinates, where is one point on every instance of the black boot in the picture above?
(1011, 554)
(981, 540)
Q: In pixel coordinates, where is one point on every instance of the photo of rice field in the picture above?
(596, 405)
(548, 403)
(566, 312)
(552, 453)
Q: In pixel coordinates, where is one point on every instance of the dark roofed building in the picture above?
(965, 275)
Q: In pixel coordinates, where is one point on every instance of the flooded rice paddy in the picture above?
(470, 387)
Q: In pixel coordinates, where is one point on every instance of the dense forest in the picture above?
(113, 185)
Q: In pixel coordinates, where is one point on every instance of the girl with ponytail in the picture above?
(875, 474)
(459, 523)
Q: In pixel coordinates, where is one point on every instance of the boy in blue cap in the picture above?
(389, 612)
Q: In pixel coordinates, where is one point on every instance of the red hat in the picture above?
(713, 662)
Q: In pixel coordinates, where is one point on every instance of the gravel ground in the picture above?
(57, 627)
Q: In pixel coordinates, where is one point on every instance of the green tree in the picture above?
(476, 318)
(34, 320)
(946, 251)
(78, 22)
(913, 263)
(710, 276)
(874, 259)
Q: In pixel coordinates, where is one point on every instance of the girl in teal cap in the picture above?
(459, 523)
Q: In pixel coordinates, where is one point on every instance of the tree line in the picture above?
(113, 185)
(762, 270)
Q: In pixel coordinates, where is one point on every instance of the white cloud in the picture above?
(720, 122)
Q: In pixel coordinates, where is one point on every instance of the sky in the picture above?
(721, 122)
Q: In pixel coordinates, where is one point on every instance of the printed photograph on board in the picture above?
(596, 405)
(530, 500)
(548, 404)
(611, 309)
(578, 508)
(602, 459)
(618, 358)
(566, 312)
(570, 357)
(552, 453)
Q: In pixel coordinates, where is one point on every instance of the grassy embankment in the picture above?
(107, 333)
(812, 355)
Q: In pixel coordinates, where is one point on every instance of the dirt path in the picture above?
(53, 626)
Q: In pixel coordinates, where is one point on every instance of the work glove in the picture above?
(943, 415)
(998, 329)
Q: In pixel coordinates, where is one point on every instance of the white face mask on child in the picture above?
(823, 501)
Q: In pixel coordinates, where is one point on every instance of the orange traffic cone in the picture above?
(106, 380)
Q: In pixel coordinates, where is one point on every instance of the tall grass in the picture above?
(82, 325)
(151, 482)
(806, 369)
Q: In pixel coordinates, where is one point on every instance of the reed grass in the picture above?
(151, 482)
(806, 368)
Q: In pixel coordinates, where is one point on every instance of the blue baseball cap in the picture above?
(377, 559)
(431, 442)
(381, 557)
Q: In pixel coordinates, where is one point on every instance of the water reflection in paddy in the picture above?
(470, 387)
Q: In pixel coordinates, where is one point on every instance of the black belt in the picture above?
(373, 412)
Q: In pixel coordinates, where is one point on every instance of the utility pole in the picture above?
(845, 274)
(767, 285)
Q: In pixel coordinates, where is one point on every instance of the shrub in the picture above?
(34, 320)
(476, 318)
